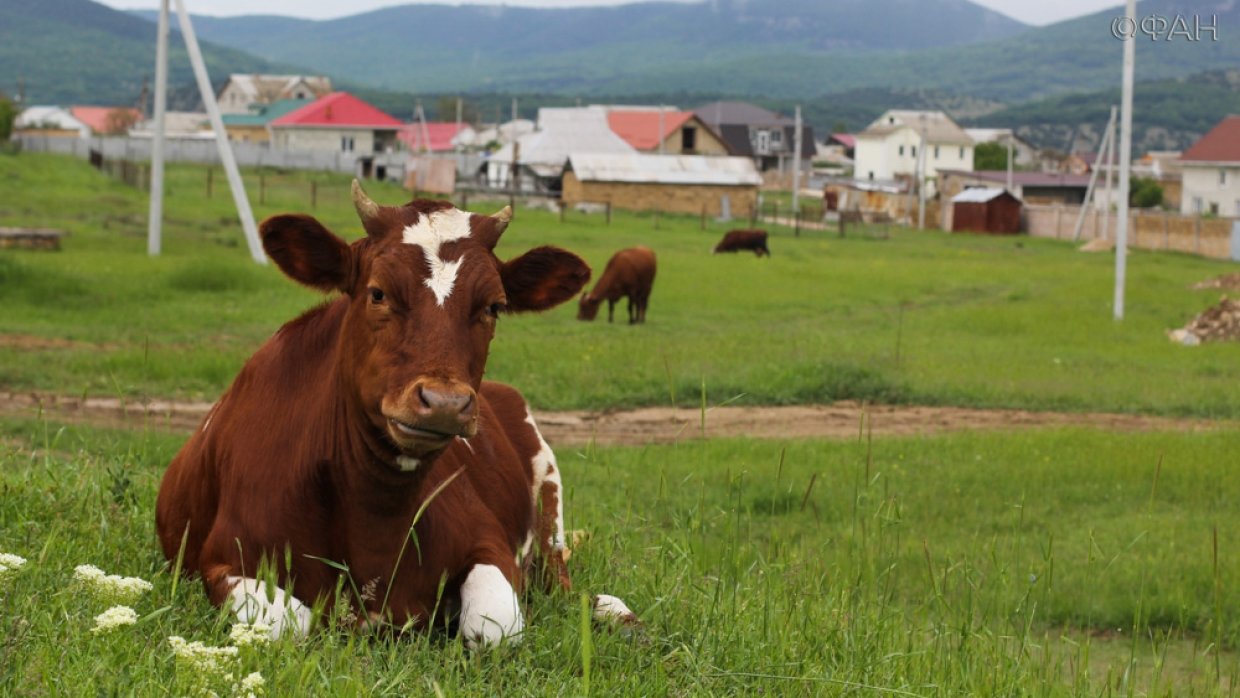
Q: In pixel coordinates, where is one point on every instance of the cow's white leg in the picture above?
(490, 610)
(283, 612)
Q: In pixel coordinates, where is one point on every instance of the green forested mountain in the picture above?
(774, 48)
(1167, 114)
(81, 52)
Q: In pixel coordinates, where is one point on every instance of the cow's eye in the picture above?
(496, 308)
(376, 295)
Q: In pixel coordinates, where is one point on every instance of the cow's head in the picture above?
(425, 289)
(587, 308)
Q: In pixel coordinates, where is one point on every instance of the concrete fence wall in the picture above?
(1208, 237)
(204, 151)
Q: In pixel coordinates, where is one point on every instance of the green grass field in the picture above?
(1048, 563)
(920, 317)
(1058, 562)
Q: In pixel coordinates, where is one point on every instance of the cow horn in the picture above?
(366, 209)
(503, 217)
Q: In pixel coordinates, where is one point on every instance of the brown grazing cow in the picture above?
(629, 273)
(359, 448)
(736, 240)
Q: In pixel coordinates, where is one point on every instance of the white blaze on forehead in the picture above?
(490, 610)
(430, 232)
(282, 612)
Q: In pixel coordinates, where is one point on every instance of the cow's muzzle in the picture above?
(430, 414)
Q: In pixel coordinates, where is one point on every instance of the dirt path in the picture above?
(653, 424)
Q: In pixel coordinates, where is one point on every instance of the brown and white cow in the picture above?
(737, 240)
(367, 408)
(629, 273)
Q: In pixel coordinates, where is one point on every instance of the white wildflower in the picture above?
(10, 564)
(250, 634)
(113, 618)
(251, 686)
(110, 588)
(200, 665)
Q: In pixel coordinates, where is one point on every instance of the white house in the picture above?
(1212, 172)
(50, 120)
(887, 150)
(541, 154)
(244, 90)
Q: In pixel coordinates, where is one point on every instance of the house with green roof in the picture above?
(254, 127)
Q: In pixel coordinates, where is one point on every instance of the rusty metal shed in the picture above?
(986, 211)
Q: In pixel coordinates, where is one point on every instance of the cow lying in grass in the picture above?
(361, 440)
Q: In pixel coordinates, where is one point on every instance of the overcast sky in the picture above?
(1031, 11)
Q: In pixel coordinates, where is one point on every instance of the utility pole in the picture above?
(221, 136)
(155, 214)
(1109, 154)
(1093, 179)
(796, 166)
(1125, 161)
(921, 177)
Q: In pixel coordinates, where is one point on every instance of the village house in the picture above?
(338, 123)
(1030, 187)
(694, 184)
(243, 91)
(1211, 167)
(753, 132)
(255, 125)
(665, 132)
(538, 158)
(50, 121)
(887, 150)
(437, 136)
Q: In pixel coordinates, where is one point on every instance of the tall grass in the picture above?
(1041, 563)
(919, 317)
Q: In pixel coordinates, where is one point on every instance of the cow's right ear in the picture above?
(308, 252)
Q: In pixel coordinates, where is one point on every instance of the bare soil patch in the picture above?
(655, 424)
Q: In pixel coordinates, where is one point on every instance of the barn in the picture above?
(667, 183)
(984, 210)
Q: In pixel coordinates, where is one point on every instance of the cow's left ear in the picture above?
(308, 252)
(543, 278)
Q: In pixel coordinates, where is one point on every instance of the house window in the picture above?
(777, 137)
(871, 175)
(1214, 208)
(346, 144)
(688, 139)
(962, 152)
(1198, 207)
(914, 149)
(936, 152)
(1222, 178)
(901, 151)
(764, 142)
(891, 119)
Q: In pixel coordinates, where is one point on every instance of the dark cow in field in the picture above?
(737, 240)
(359, 448)
(629, 273)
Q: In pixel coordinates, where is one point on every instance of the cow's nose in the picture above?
(444, 400)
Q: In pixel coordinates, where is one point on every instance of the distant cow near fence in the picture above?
(737, 240)
(629, 273)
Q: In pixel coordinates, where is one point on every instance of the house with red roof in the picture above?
(666, 132)
(337, 122)
(107, 121)
(1212, 172)
(436, 136)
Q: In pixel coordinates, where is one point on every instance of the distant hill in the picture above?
(81, 52)
(774, 48)
(1167, 114)
(608, 50)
